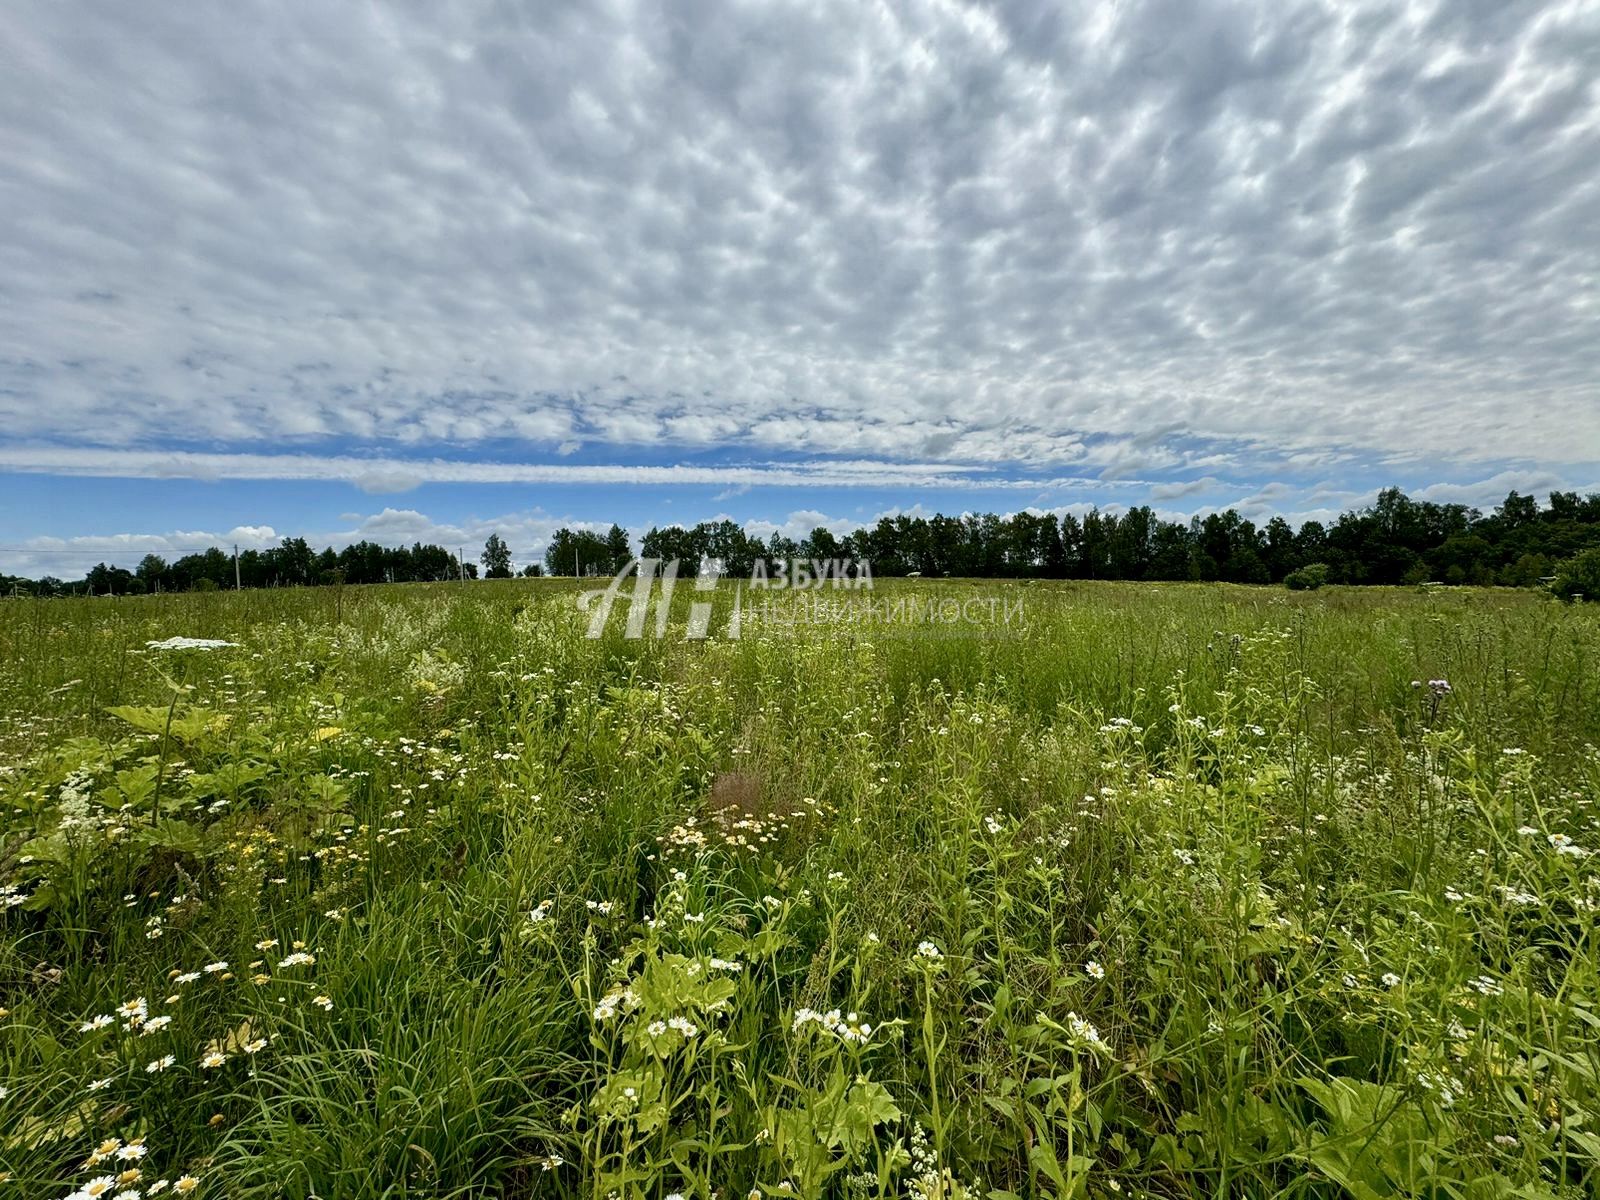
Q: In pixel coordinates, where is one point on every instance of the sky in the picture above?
(426, 271)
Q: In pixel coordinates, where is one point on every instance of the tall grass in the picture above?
(1155, 890)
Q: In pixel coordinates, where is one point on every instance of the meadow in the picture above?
(1154, 890)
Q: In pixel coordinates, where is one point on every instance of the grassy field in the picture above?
(1153, 890)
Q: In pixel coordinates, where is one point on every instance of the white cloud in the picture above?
(944, 231)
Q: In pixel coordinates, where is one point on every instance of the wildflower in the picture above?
(1349, 980)
(159, 1064)
(134, 1011)
(213, 968)
(103, 1151)
(1083, 1031)
(155, 1025)
(683, 1025)
(98, 1186)
(267, 944)
(213, 1060)
(132, 1152)
(188, 977)
(297, 959)
(255, 1046)
(1390, 979)
(325, 1003)
(929, 951)
(1094, 970)
(185, 1184)
(99, 1085)
(96, 1022)
(1486, 985)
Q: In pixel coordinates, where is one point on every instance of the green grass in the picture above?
(1165, 890)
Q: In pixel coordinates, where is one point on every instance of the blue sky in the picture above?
(430, 271)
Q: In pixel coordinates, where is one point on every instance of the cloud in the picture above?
(383, 475)
(945, 231)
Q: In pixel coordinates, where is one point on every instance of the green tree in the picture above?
(1578, 578)
(496, 558)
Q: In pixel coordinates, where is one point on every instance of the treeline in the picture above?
(292, 564)
(1396, 541)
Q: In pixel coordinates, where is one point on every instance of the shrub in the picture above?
(1578, 578)
(1308, 578)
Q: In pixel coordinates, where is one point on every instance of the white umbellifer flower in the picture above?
(188, 643)
(1094, 970)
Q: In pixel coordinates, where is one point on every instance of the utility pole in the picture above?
(576, 574)
(236, 586)
(461, 561)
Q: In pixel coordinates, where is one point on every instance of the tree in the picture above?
(152, 570)
(496, 558)
(1579, 577)
(619, 549)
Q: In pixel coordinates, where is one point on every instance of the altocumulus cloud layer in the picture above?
(1102, 240)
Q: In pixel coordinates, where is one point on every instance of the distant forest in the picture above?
(1396, 541)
